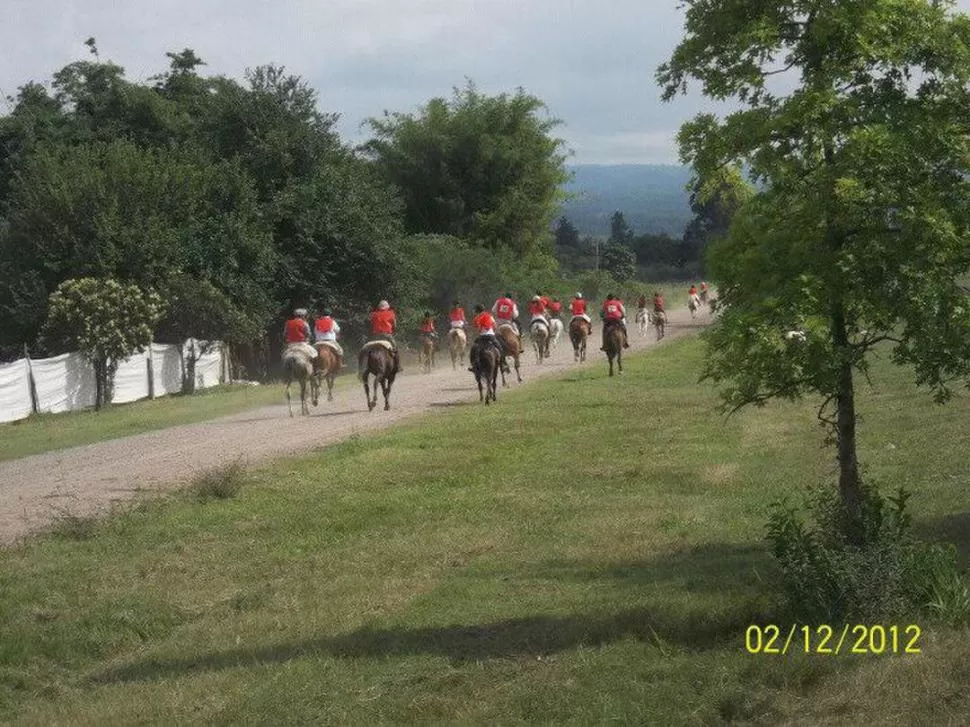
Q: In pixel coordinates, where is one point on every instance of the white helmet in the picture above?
(300, 312)
(383, 305)
(579, 295)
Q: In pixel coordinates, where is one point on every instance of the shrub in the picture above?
(826, 578)
(219, 483)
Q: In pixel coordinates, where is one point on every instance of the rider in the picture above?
(427, 329)
(296, 334)
(658, 303)
(692, 294)
(537, 314)
(456, 316)
(641, 302)
(325, 330)
(578, 308)
(507, 312)
(383, 325)
(555, 308)
(546, 301)
(703, 291)
(613, 310)
(485, 323)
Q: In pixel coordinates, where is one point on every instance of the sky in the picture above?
(591, 61)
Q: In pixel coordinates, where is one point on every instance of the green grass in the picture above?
(47, 432)
(588, 550)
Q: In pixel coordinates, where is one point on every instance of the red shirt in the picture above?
(296, 331)
(555, 307)
(693, 290)
(324, 325)
(658, 302)
(537, 307)
(613, 309)
(456, 314)
(484, 321)
(383, 322)
(504, 308)
(545, 300)
(578, 306)
(427, 326)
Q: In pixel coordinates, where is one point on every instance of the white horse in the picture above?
(643, 321)
(694, 303)
(555, 331)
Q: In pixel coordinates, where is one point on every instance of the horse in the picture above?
(555, 331)
(457, 341)
(512, 346)
(579, 330)
(326, 367)
(660, 323)
(486, 361)
(539, 333)
(693, 304)
(613, 339)
(426, 349)
(643, 320)
(376, 360)
(298, 366)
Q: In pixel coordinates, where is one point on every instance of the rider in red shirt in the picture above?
(613, 313)
(507, 312)
(296, 333)
(578, 308)
(658, 303)
(383, 326)
(427, 326)
(485, 323)
(555, 308)
(456, 316)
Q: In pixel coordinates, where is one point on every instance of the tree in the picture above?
(714, 200)
(620, 232)
(105, 320)
(481, 167)
(859, 229)
(620, 261)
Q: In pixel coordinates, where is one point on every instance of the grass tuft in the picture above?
(219, 483)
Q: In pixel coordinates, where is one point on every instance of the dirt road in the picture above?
(90, 479)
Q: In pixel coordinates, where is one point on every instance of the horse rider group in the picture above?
(298, 334)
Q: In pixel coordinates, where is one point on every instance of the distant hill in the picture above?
(651, 197)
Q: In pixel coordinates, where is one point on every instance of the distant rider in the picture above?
(613, 314)
(383, 326)
(296, 334)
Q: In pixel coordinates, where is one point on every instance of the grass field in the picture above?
(587, 551)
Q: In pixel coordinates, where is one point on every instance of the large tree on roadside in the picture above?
(860, 227)
(485, 168)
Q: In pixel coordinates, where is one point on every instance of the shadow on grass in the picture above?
(448, 404)
(667, 626)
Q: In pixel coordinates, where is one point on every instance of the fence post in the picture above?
(151, 373)
(34, 407)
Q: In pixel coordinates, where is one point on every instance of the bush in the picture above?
(219, 483)
(827, 579)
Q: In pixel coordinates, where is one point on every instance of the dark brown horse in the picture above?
(376, 360)
(613, 339)
(326, 367)
(514, 349)
(486, 361)
(579, 331)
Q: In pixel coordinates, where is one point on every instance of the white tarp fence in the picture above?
(15, 402)
(66, 382)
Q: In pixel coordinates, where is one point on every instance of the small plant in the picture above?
(828, 578)
(219, 483)
(71, 526)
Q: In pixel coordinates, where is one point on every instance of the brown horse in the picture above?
(660, 323)
(377, 361)
(299, 367)
(512, 346)
(326, 367)
(579, 330)
(540, 340)
(426, 349)
(457, 341)
(486, 361)
(613, 339)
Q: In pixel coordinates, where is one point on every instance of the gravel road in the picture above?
(91, 479)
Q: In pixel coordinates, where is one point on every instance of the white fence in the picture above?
(66, 383)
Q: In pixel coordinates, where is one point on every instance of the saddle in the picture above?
(332, 345)
(374, 344)
(539, 322)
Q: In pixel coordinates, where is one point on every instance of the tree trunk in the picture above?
(850, 483)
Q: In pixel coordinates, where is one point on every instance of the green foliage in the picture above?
(481, 167)
(860, 228)
(620, 232)
(620, 261)
(828, 579)
(103, 319)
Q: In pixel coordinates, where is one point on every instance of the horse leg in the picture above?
(289, 403)
(493, 381)
(330, 378)
(518, 376)
(370, 406)
(386, 390)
